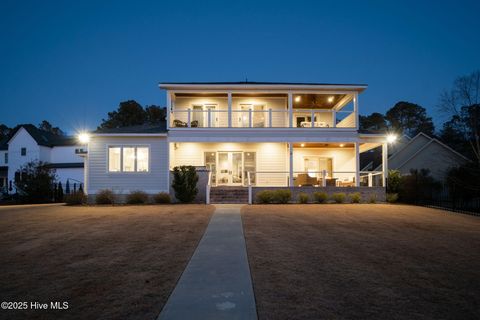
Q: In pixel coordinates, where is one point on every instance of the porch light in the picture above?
(330, 99)
(83, 137)
(298, 98)
(391, 138)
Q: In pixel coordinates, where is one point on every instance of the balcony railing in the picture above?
(270, 118)
(316, 178)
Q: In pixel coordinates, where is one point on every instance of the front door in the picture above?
(230, 168)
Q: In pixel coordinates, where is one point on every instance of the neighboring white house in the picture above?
(424, 152)
(27, 143)
(246, 135)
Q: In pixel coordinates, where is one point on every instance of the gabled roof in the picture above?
(161, 127)
(41, 137)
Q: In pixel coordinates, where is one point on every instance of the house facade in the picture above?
(27, 143)
(242, 135)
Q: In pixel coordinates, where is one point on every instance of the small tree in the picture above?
(184, 183)
(394, 180)
(35, 182)
(59, 192)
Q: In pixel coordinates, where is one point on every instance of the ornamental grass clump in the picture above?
(137, 197)
(105, 196)
(302, 197)
(339, 197)
(355, 197)
(320, 197)
(162, 198)
(282, 196)
(265, 196)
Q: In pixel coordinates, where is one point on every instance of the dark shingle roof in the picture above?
(161, 127)
(65, 165)
(43, 138)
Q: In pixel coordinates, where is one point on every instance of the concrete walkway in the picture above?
(216, 283)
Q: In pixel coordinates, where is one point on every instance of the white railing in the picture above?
(322, 178)
(209, 186)
(269, 118)
(249, 185)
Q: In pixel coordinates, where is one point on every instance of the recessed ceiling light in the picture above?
(341, 145)
(298, 98)
(302, 145)
(330, 99)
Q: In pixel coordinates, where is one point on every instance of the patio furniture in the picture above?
(303, 179)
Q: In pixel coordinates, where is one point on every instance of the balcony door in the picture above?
(230, 168)
(200, 115)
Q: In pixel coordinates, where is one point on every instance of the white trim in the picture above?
(252, 86)
(129, 134)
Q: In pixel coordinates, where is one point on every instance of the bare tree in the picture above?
(462, 103)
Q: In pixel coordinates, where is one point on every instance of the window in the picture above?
(6, 157)
(23, 151)
(128, 159)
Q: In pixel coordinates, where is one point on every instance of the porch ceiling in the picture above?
(322, 145)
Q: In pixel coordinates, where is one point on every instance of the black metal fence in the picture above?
(444, 199)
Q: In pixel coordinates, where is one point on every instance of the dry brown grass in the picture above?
(107, 262)
(363, 261)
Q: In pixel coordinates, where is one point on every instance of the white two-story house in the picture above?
(248, 135)
(27, 143)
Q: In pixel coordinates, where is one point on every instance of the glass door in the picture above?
(230, 168)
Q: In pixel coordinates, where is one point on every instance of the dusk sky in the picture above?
(70, 62)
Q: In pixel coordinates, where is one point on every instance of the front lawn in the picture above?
(106, 262)
(362, 261)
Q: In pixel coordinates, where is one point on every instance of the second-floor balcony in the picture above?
(245, 110)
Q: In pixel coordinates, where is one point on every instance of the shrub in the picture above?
(392, 197)
(302, 197)
(282, 196)
(394, 181)
(76, 198)
(339, 197)
(34, 181)
(184, 183)
(355, 197)
(162, 197)
(372, 198)
(265, 196)
(320, 197)
(105, 196)
(137, 197)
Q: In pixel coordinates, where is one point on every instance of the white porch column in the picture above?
(357, 165)
(229, 109)
(290, 110)
(169, 108)
(290, 177)
(384, 163)
(355, 109)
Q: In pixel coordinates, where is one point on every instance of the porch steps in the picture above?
(229, 195)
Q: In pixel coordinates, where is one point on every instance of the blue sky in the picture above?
(72, 62)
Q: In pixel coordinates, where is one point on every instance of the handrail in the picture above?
(209, 182)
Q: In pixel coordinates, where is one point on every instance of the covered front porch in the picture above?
(279, 164)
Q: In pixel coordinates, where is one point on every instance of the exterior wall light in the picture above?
(84, 138)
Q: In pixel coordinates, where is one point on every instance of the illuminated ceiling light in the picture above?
(302, 145)
(342, 145)
(391, 138)
(298, 98)
(213, 154)
(331, 98)
(84, 137)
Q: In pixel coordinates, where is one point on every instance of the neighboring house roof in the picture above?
(161, 127)
(42, 137)
(65, 165)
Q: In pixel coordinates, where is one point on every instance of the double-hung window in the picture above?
(128, 159)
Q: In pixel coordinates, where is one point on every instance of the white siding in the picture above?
(22, 139)
(65, 154)
(271, 157)
(122, 183)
